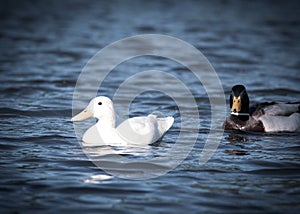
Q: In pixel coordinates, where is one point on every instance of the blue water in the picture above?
(45, 45)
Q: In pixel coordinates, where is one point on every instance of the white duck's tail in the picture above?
(164, 124)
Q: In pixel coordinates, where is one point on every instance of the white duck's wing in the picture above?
(144, 130)
(137, 130)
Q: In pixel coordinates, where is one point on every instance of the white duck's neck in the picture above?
(107, 121)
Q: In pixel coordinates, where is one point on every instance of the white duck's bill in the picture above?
(85, 114)
(239, 114)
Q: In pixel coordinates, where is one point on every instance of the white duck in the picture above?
(137, 130)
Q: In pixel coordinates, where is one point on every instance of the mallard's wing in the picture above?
(281, 123)
(276, 109)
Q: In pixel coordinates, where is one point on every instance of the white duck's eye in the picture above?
(100, 103)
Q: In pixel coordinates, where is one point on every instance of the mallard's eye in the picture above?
(100, 103)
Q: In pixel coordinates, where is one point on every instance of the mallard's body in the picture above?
(264, 117)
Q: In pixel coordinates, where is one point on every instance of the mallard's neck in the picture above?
(244, 117)
(241, 116)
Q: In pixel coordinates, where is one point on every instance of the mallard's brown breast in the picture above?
(234, 123)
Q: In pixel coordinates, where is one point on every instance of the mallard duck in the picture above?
(264, 117)
(133, 131)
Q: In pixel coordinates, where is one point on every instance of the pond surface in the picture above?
(45, 45)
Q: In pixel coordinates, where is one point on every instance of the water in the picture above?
(45, 45)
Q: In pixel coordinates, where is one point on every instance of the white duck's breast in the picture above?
(92, 137)
(101, 136)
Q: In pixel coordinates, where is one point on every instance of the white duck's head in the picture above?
(100, 107)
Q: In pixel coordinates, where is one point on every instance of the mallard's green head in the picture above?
(239, 101)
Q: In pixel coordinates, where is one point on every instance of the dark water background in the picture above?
(45, 44)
